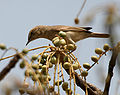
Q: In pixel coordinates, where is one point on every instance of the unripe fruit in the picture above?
(44, 56)
(28, 72)
(34, 77)
(65, 86)
(34, 57)
(62, 34)
(75, 66)
(84, 73)
(49, 77)
(62, 42)
(2, 46)
(21, 91)
(53, 60)
(56, 42)
(86, 65)
(71, 47)
(44, 67)
(25, 85)
(68, 91)
(94, 59)
(76, 20)
(58, 81)
(40, 66)
(66, 65)
(35, 66)
(25, 51)
(98, 51)
(22, 64)
(106, 47)
(51, 88)
(50, 65)
(65, 59)
(42, 61)
(55, 39)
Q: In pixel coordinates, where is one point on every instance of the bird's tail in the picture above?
(100, 35)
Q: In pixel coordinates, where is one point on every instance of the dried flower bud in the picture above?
(94, 59)
(98, 51)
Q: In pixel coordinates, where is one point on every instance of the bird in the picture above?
(73, 34)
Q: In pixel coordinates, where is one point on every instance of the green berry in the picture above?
(62, 34)
(65, 86)
(84, 73)
(55, 39)
(44, 56)
(25, 85)
(53, 60)
(71, 47)
(62, 42)
(2, 46)
(22, 64)
(34, 57)
(86, 65)
(34, 77)
(40, 66)
(66, 65)
(49, 78)
(44, 68)
(94, 59)
(58, 81)
(35, 66)
(65, 59)
(75, 66)
(56, 42)
(50, 65)
(25, 51)
(98, 51)
(21, 91)
(106, 47)
(51, 89)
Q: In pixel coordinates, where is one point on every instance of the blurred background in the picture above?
(17, 17)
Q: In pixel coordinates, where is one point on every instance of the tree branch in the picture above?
(11, 65)
(112, 64)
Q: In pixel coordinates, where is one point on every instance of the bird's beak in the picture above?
(27, 43)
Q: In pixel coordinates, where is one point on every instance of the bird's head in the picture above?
(34, 34)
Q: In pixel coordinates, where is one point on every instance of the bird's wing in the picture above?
(70, 28)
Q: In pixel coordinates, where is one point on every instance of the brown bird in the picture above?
(73, 34)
